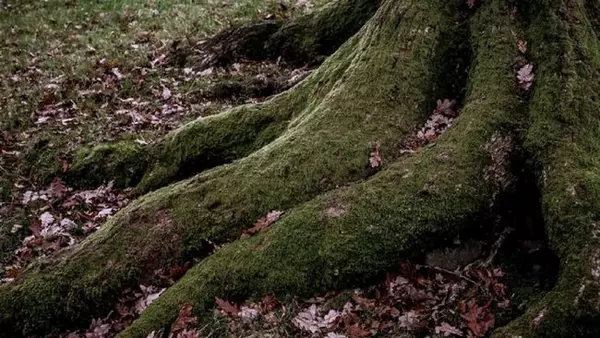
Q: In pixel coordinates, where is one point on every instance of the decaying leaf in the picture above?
(226, 307)
(479, 319)
(58, 188)
(448, 330)
(375, 156)
(410, 320)
(115, 71)
(445, 107)
(166, 93)
(311, 319)
(525, 76)
(248, 313)
(355, 331)
(150, 294)
(185, 319)
(522, 46)
(263, 223)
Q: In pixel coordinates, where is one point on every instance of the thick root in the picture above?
(376, 88)
(123, 162)
(563, 139)
(354, 234)
(306, 40)
(212, 141)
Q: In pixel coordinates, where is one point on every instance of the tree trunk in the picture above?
(306, 152)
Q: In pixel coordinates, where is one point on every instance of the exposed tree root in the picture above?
(306, 40)
(306, 152)
(376, 88)
(408, 208)
(563, 141)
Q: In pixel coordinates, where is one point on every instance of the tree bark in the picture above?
(306, 152)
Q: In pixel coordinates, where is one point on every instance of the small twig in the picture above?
(497, 245)
(493, 252)
(454, 273)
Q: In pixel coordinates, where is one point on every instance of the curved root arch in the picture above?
(306, 151)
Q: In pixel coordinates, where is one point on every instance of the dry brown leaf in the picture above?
(522, 46)
(479, 319)
(185, 319)
(375, 156)
(263, 223)
(447, 330)
(189, 333)
(227, 307)
(355, 331)
(36, 228)
(58, 188)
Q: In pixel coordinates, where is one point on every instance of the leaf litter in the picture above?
(62, 217)
(441, 118)
(423, 300)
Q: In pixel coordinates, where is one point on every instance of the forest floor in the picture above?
(77, 74)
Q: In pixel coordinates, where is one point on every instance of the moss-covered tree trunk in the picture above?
(306, 152)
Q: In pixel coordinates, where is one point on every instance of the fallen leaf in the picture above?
(117, 73)
(188, 333)
(410, 320)
(445, 107)
(375, 156)
(263, 223)
(47, 219)
(525, 76)
(166, 93)
(448, 330)
(58, 188)
(36, 228)
(226, 307)
(479, 319)
(248, 313)
(522, 46)
(355, 331)
(185, 319)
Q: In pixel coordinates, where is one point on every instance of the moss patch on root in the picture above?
(324, 130)
(414, 204)
(307, 40)
(123, 162)
(563, 142)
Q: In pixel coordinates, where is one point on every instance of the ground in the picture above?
(350, 168)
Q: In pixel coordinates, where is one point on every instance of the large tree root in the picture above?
(306, 40)
(235, 134)
(354, 234)
(563, 140)
(226, 137)
(376, 88)
(305, 151)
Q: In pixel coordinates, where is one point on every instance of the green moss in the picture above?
(41, 161)
(565, 148)
(311, 38)
(321, 133)
(412, 205)
(122, 162)
(220, 139)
